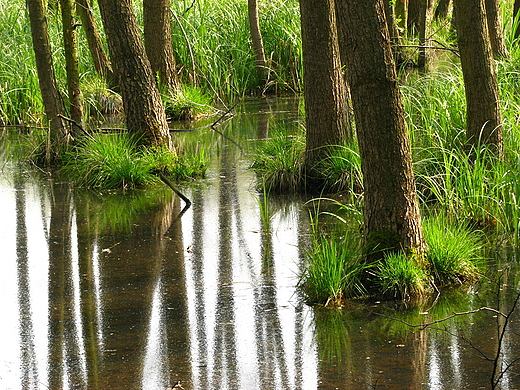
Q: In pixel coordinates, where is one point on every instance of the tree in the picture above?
(262, 68)
(516, 18)
(142, 103)
(99, 57)
(425, 10)
(392, 219)
(72, 64)
(483, 115)
(442, 10)
(158, 42)
(52, 102)
(326, 114)
(498, 45)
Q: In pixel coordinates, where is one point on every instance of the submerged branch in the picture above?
(427, 324)
(174, 189)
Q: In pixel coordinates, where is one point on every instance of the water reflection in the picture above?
(118, 292)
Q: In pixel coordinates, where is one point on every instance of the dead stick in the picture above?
(169, 184)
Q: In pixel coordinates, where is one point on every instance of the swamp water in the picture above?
(113, 291)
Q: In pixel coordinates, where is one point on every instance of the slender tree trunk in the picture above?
(262, 68)
(498, 44)
(414, 7)
(72, 65)
(326, 112)
(425, 8)
(158, 42)
(400, 12)
(50, 95)
(392, 219)
(483, 116)
(442, 10)
(95, 45)
(516, 18)
(142, 103)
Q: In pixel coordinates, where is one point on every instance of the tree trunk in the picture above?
(262, 68)
(72, 65)
(414, 7)
(483, 115)
(158, 42)
(425, 8)
(392, 219)
(498, 44)
(400, 12)
(50, 95)
(142, 103)
(442, 10)
(99, 57)
(326, 114)
(516, 18)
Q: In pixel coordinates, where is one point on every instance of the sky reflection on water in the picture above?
(117, 292)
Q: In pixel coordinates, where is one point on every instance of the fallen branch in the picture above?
(174, 189)
(427, 324)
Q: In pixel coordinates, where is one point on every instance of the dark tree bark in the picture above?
(516, 18)
(442, 10)
(392, 219)
(72, 65)
(400, 12)
(498, 44)
(142, 103)
(326, 114)
(483, 116)
(95, 45)
(414, 7)
(158, 42)
(50, 94)
(425, 10)
(262, 68)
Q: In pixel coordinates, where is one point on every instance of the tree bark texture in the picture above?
(46, 77)
(442, 10)
(498, 44)
(262, 68)
(142, 103)
(423, 22)
(412, 18)
(158, 42)
(516, 18)
(72, 65)
(392, 219)
(400, 12)
(483, 115)
(326, 113)
(95, 45)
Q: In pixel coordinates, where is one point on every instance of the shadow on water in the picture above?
(116, 291)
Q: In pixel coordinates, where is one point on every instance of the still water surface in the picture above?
(121, 291)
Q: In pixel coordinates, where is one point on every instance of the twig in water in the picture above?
(174, 189)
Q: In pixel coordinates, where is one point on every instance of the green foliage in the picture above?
(116, 161)
(212, 43)
(342, 168)
(187, 103)
(454, 251)
(278, 161)
(334, 269)
(400, 276)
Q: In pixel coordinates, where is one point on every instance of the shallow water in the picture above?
(115, 291)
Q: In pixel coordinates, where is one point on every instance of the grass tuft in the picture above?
(399, 276)
(453, 251)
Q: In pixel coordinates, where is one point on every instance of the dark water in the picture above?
(114, 291)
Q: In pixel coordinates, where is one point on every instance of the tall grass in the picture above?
(115, 161)
(334, 269)
(212, 43)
